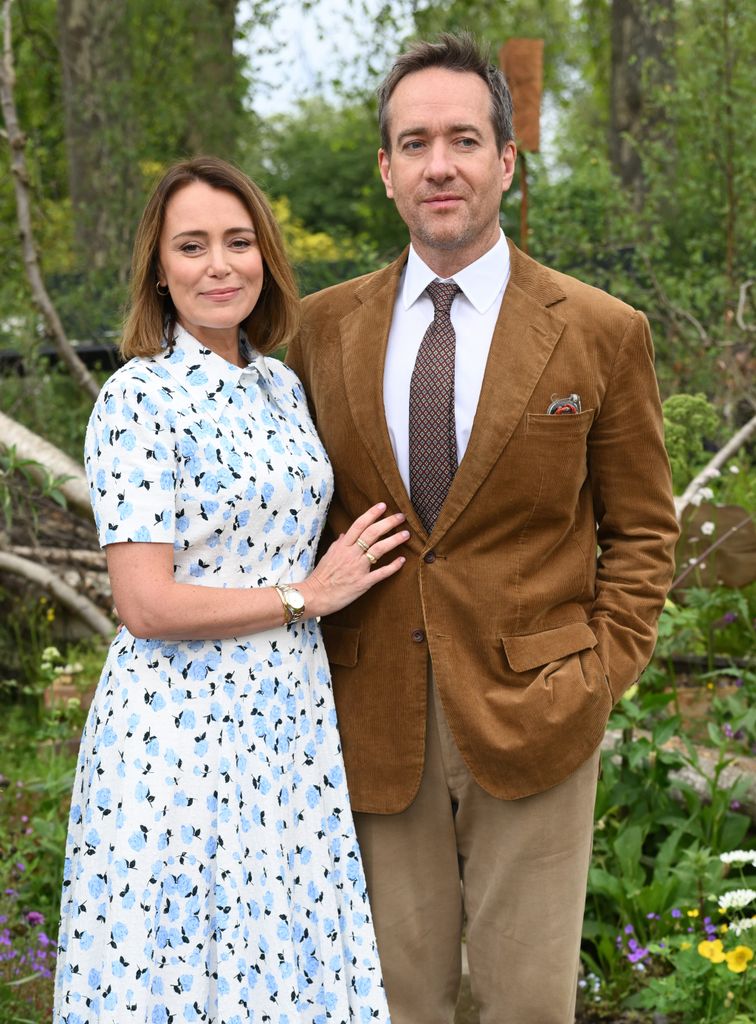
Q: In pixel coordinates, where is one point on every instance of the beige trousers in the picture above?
(511, 873)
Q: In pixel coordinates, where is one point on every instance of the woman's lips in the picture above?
(221, 294)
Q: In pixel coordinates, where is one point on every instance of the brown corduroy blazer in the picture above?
(538, 591)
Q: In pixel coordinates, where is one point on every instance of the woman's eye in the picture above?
(191, 248)
(241, 243)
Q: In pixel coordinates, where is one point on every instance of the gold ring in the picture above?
(371, 558)
(361, 544)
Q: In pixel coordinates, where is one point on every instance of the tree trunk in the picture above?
(100, 130)
(214, 127)
(22, 190)
(641, 66)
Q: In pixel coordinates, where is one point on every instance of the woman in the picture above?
(212, 870)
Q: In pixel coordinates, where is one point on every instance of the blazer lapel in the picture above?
(525, 335)
(364, 339)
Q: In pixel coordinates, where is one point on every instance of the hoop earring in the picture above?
(158, 286)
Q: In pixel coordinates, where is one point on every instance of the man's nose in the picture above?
(440, 165)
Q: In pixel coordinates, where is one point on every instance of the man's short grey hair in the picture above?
(453, 53)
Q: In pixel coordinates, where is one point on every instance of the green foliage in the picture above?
(20, 479)
(34, 801)
(689, 422)
(323, 158)
(703, 963)
(47, 401)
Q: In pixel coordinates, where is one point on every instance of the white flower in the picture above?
(692, 561)
(738, 927)
(737, 899)
(739, 857)
(706, 493)
(712, 473)
(50, 654)
(707, 529)
(734, 469)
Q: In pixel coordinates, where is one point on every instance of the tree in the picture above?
(641, 65)
(132, 93)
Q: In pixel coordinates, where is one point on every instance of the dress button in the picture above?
(429, 556)
(418, 636)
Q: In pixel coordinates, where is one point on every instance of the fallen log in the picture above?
(69, 598)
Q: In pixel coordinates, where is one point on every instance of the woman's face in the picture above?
(210, 260)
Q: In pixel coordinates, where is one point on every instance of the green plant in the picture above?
(34, 799)
(21, 483)
(703, 963)
(654, 834)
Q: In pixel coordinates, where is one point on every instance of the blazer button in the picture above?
(429, 557)
(418, 636)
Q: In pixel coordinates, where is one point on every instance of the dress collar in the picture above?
(480, 282)
(208, 377)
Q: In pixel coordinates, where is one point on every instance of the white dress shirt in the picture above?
(473, 315)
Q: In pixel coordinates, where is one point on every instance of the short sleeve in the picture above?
(130, 460)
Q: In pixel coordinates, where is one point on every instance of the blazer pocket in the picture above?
(342, 643)
(559, 428)
(537, 649)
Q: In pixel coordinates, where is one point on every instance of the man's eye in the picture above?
(468, 143)
(413, 146)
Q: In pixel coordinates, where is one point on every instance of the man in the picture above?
(512, 414)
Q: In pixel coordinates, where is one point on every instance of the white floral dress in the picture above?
(212, 870)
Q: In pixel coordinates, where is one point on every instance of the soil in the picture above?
(467, 1013)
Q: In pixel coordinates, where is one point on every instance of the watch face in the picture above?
(295, 600)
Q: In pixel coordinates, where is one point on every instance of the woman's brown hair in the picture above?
(152, 316)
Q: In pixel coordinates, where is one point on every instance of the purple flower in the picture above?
(34, 917)
(676, 912)
(20, 866)
(653, 917)
(735, 805)
(637, 954)
(728, 730)
(629, 929)
(43, 939)
(737, 682)
(729, 617)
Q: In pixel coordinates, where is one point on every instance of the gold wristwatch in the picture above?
(293, 602)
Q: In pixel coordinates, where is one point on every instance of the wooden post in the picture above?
(522, 62)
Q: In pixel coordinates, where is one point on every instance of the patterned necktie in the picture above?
(432, 431)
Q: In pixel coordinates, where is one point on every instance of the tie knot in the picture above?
(442, 295)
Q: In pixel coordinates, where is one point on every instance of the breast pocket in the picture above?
(569, 427)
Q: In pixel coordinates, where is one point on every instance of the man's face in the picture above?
(444, 171)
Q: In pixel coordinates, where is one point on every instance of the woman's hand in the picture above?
(348, 568)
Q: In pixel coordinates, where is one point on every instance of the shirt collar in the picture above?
(209, 378)
(480, 282)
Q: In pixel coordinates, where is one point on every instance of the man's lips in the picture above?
(442, 199)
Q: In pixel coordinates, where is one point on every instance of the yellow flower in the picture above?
(724, 928)
(737, 959)
(692, 913)
(685, 945)
(712, 950)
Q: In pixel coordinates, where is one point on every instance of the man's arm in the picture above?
(634, 509)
